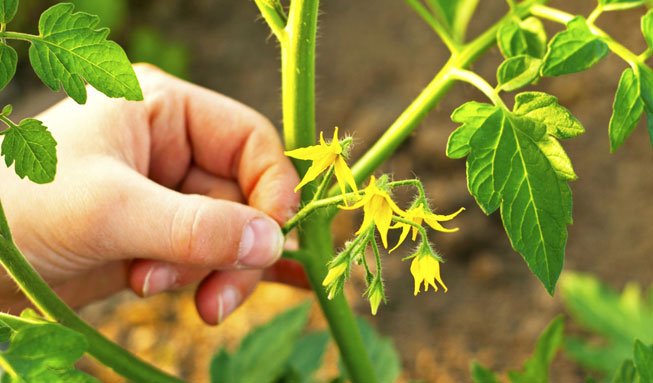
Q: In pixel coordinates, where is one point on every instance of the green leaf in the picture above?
(481, 374)
(45, 353)
(646, 83)
(5, 332)
(148, 45)
(384, 357)
(7, 110)
(644, 362)
(272, 343)
(619, 318)
(471, 115)
(307, 355)
(536, 368)
(8, 61)
(573, 50)
(8, 10)
(112, 13)
(647, 27)
(543, 107)
(454, 14)
(517, 72)
(626, 373)
(627, 109)
(523, 37)
(32, 150)
(516, 166)
(70, 50)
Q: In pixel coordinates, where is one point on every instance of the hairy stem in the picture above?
(52, 307)
(298, 93)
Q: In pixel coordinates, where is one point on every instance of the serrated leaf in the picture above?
(272, 343)
(481, 374)
(8, 10)
(536, 368)
(8, 61)
(511, 166)
(454, 14)
(626, 373)
(643, 357)
(646, 83)
(620, 319)
(471, 115)
(525, 37)
(32, 150)
(517, 72)
(573, 50)
(647, 27)
(627, 109)
(543, 107)
(45, 353)
(307, 356)
(70, 50)
(382, 353)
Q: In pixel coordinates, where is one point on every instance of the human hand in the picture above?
(151, 195)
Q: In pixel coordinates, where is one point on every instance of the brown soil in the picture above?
(374, 58)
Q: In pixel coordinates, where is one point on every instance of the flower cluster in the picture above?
(380, 213)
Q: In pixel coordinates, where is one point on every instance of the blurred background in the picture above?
(374, 57)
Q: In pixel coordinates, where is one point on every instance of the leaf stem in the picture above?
(480, 84)
(18, 36)
(52, 307)
(311, 207)
(562, 17)
(591, 19)
(275, 20)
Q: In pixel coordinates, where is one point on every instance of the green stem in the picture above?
(298, 93)
(480, 84)
(274, 18)
(310, 208)
(410, 119)
(53, 308)
(435, 24)
(562, 17)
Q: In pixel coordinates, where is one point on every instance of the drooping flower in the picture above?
(324, 156)
(375, 294)
(419, 213)
(426, 269)
(335, 278)
(378, 208)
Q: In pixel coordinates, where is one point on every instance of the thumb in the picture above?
(157, 223)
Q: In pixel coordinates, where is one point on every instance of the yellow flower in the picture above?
(323, 156)
(334, 274)
(418, 214)
(426, 269)
(378, 209)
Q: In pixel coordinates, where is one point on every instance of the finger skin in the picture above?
(222, 292)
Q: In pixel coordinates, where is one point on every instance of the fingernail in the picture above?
(261, 243)
(228, 300)
(160, 278)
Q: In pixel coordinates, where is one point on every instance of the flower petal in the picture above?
(315, 170)
(344, 175)
(433, 222)
(448, 217)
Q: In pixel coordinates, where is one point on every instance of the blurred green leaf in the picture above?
(525, 37)
(627, 109)
(517, 72)
(70, 50)
(8, 10)
(573, 50)
(647, 27)
(263, 355)
(382, 353)
(619, 318)
(626, 373)
(32, 150)
(481, 374)
(307, 357)
(649, 126)
(147, 45)
(536, 369)
(44, 353)
(454, 14)
(112, 13)
(8, 61)
(643, 356)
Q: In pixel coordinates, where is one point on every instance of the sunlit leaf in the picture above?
(627, 109)
(32, 150)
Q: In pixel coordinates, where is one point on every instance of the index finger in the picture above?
(226, 139)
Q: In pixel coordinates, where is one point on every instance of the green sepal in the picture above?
(517, 72)
(71, 50)
(522, 37)
(8, 10)
(627, 109)
(32, 150)
(573, 50)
